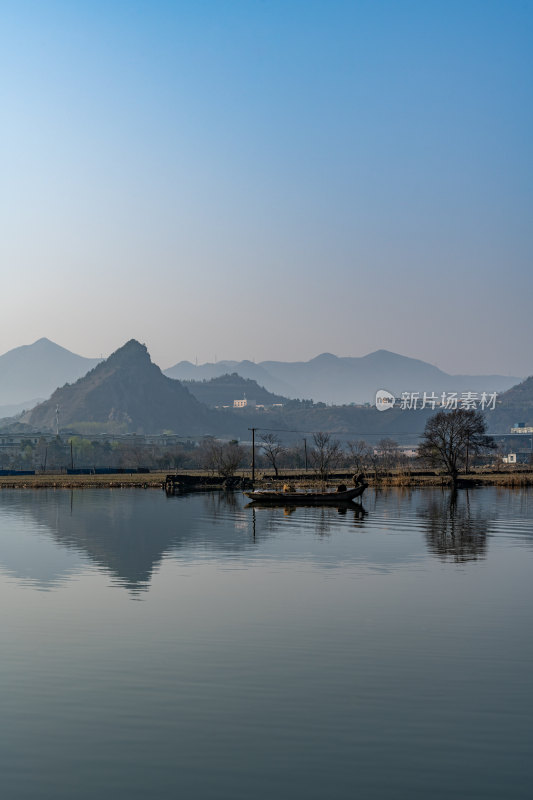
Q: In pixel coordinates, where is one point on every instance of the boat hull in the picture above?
(307, 498)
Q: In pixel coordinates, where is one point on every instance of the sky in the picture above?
(269, 179)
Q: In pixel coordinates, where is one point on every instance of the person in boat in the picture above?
(341, 487)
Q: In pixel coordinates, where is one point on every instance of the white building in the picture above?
(244, 403)
(520, 427)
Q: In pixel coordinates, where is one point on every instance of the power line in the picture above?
(344, 433)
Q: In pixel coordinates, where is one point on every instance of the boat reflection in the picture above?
(324, 519)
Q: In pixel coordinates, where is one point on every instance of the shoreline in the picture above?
(155, 480)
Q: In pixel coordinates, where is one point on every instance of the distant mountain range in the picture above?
(18, 408)
(128, 393)
(339, 381)
(34, 371)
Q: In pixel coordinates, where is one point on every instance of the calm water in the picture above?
(191, 647)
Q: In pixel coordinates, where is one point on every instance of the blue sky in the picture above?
(269, 179)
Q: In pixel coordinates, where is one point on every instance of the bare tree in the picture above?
(172, 457)
(358, 454)
(452, 438)
(388, 453)
(206, 455)
(326, 454)
(292, 457)
(223, 458)
(272, 449)
(231, 455)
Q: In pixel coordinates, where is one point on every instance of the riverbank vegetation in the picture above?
(316, 457)
(205, 479)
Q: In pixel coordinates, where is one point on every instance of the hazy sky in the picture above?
(269, 179)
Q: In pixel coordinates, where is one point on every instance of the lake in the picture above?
(193, 647)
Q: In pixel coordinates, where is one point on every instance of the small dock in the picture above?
(178, 484)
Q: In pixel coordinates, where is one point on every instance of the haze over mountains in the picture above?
(128, 393)
(33, 372)
(330, 379)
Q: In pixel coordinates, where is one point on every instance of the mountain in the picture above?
(185, 371)
(227, 388)
(18, 408)
(514, 405)
(331, 379)
(35, 370)
(125, 393)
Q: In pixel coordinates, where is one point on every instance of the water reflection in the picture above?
(326, 654)
(325, 519)
(48, 537)
(454, 530)
(126, 534)
(217, 504)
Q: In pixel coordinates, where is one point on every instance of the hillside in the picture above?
(295, 421)
(36, 370)
(514, 405)
(127, 392)
(185, 371)
(330, 379)
(227, 388)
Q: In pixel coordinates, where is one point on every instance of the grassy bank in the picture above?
(423, 480)
(154, 480)
(482, 479)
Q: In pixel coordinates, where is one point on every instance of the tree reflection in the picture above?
(217, 503)
(454, 530)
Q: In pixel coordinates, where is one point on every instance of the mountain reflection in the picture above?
(453, 530)
(49, 536)
(125, 533)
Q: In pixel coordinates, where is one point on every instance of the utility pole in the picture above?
(253, 453)
(71, 456)
(305, 451)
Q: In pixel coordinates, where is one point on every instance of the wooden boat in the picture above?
(307, 498)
